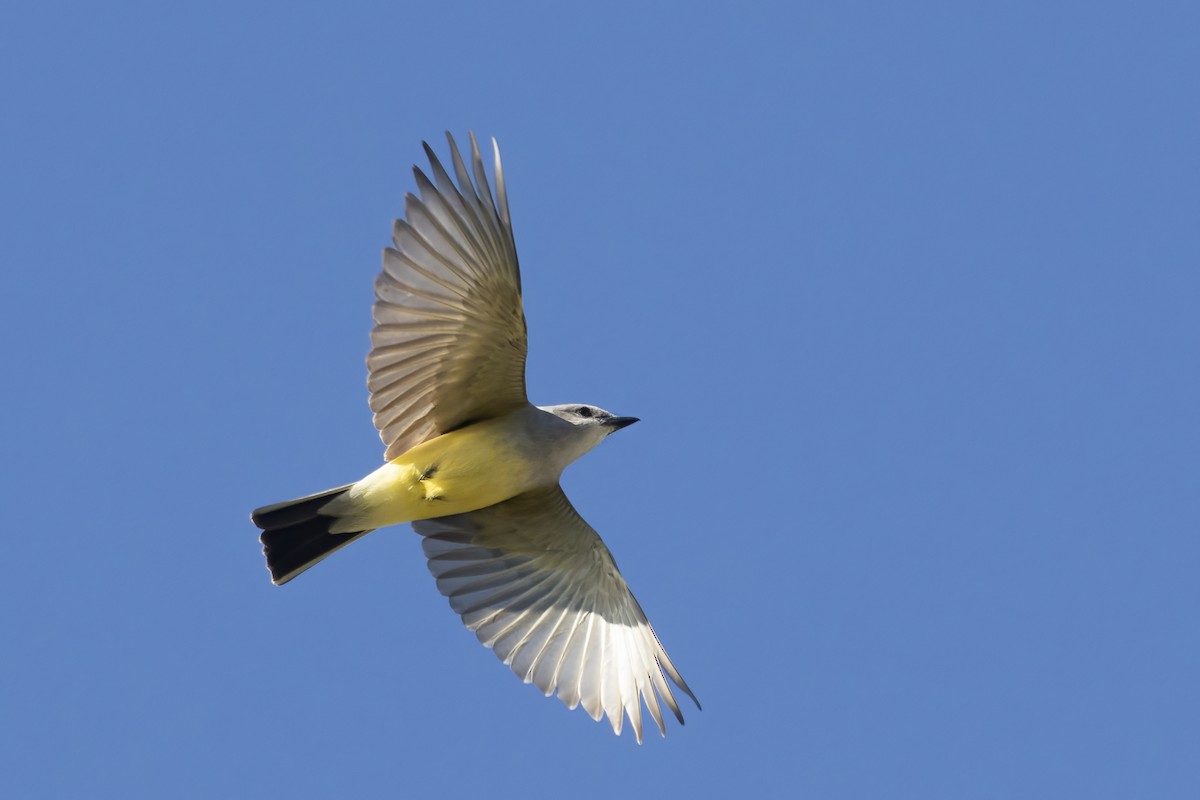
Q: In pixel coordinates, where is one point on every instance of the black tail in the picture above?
(295, 536)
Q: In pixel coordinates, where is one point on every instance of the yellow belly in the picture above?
(462, 471)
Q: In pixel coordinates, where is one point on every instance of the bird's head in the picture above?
(593, 420)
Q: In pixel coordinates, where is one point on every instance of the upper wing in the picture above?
(449, 341)
(536, 584)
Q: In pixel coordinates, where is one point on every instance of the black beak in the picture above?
(616, 423)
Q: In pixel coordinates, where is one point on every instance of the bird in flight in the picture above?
(475, 467)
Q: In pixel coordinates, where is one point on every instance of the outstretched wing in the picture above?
(449, 341)
(537, 585)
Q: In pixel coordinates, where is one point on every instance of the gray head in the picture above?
(589, 425)
(594, 420)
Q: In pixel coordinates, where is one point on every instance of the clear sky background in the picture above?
(905, 295)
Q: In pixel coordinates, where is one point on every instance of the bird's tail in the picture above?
(295, 535)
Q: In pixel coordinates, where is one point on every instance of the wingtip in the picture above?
(450, 139)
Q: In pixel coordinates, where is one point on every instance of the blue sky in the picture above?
(906, 299)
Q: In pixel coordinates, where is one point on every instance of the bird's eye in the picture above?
(583, 411)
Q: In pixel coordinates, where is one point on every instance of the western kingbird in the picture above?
(475, 467)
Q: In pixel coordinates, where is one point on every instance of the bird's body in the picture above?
(475, 467)
(471, 468)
